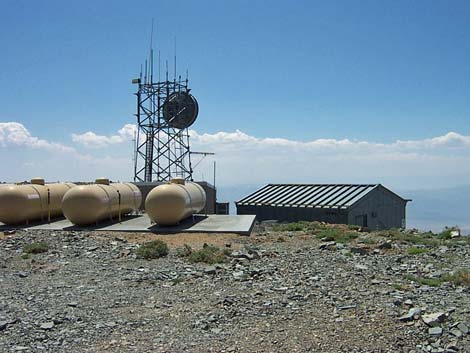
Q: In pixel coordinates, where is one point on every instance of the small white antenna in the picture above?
(145, 77)
(151, 36)
(166, 69)
(151, 54)
(175, 62)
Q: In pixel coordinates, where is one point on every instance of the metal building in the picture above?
(367, 205)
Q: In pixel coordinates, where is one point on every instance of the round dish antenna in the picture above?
(180, 110)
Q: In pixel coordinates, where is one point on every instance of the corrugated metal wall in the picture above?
(294, 214)
(383, 209)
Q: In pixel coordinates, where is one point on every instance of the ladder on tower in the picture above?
(149, 156)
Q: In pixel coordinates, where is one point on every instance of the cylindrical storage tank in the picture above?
(167, 204)
(90, 204)
(37, 201)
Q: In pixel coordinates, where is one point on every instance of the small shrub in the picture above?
(390, 233)
(227, 252)
(346, 237)
(432, 282)
(368, 241)
(399, 286)
(177, 280)
(152, 250)
(25, 256)
(295, 227)
(329, 233)
(446, 234)
(291, 227)
(281, 239)
(337, 234)
(209, 254)
(460, 277)
(35, 248)
(185, 251)
(405, 237)
(415, 251)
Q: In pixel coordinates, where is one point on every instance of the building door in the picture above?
(361, 220)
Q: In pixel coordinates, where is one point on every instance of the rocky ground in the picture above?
(305, 288)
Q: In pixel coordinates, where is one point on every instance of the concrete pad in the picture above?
(240, 224)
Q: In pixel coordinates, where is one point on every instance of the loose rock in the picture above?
(47, 325)
(433, 319)
(435, 331)
(413, 314)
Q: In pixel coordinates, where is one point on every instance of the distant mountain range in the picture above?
(431, 209)
(434, 209)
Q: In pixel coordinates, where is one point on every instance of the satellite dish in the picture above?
(180, 110)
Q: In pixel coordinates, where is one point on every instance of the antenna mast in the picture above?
(151, 54)
(174, 77)
(165, 110)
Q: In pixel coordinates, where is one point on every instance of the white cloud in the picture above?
(222, 137)
(245, 159)
(30, 156)
(450, 140)
(91, 140)
(438, 161)
(15, 134)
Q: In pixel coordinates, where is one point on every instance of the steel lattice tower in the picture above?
(165, 110)
(162, 152)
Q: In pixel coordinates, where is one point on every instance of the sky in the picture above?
(289, 91)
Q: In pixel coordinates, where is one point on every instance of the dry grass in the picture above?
(339, 235)
(460, 277)
(415, 251)
(178, 240)
(209, 254)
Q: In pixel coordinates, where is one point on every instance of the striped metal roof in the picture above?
(308, 195)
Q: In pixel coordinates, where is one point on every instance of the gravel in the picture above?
(90, 293)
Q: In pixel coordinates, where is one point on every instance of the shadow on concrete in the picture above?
(102, 224)
(6, 227)
(182, 226)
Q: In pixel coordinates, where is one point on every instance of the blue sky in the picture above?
(291, 91)
(367, 70)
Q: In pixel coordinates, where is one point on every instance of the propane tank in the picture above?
(90, 204)
(37, 201)
(167, 204)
